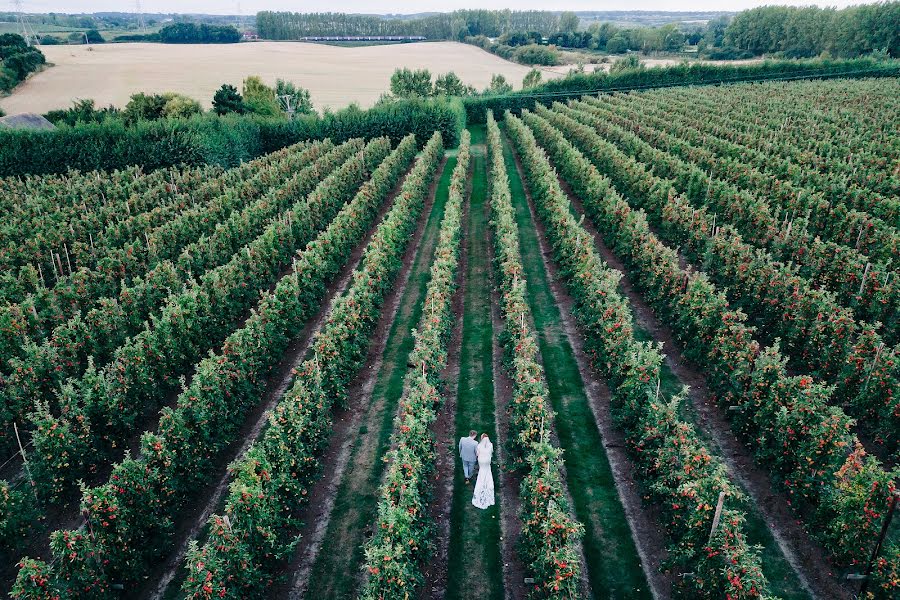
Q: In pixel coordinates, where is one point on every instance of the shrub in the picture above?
(535, 54)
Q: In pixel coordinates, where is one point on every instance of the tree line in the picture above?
(799, 32)
(787, 32)
(456, 25)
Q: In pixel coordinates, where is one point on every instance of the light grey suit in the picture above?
(467, 446)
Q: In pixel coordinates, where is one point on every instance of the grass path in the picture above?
(335, 574)
(474, 558)
(613, 565)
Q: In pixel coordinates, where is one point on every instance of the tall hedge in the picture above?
(683, 74)
(208, 139)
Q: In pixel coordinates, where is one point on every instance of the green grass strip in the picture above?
(614, 568)
(334, 573)
(474, 562)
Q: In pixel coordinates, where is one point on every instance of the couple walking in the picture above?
(471, 451)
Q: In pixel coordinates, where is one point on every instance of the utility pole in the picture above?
(140, 15)
(25, 29)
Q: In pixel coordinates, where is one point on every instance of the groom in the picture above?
(467, 447)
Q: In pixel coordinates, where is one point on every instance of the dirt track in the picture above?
(335, 76)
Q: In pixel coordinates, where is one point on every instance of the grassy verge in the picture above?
(334, 574)
(614, 568)
(474, 563)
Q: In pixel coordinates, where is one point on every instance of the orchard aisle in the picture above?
(336, 570)
(614, 567)
(474, 557)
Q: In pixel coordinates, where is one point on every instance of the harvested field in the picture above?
(335, 76)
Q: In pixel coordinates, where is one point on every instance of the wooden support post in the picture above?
(717, 517)
(884, 529)
(874, 364)
(25, 460)
(862, 284)
(68, 262)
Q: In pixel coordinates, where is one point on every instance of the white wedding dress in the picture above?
(484, 485)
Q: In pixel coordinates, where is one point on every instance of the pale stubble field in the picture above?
(335, 76)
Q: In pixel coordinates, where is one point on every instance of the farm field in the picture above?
(676, 314)
(335, 76)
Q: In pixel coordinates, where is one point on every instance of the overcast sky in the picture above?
(389, 6)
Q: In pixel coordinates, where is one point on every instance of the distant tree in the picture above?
(450, 85)
(533, 78)
(617, 44)
(499, 85)
(534, 54)
(13, 40)
(227, 100)
(568, 21)
(144, 107)
(93, 37)
(260, 98)
(199, 33)
(150, 107)
(294, 96)
(406, 83)
(178, 106)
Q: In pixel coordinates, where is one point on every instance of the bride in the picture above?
(484, 486)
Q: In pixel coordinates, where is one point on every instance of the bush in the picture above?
(534, 54)
(81, 111)
(628, 63)
(92, 36)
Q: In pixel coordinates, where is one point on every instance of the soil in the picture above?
(316, 515)
(279, 381)
(803, 554)
(646, 531)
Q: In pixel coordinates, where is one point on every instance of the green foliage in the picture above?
(535, 54)
(225, 141)
(92, 36)
(408, 83)
(17, 60)
(617, 44)
(630, 62)
(293, 96)
(151, 107)
(450, 84)
(228, 99)
(199, 33)
(532, 78)
(456, 25)
(795, 32)
(568, 22)
(499, 85)
(259, 98)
